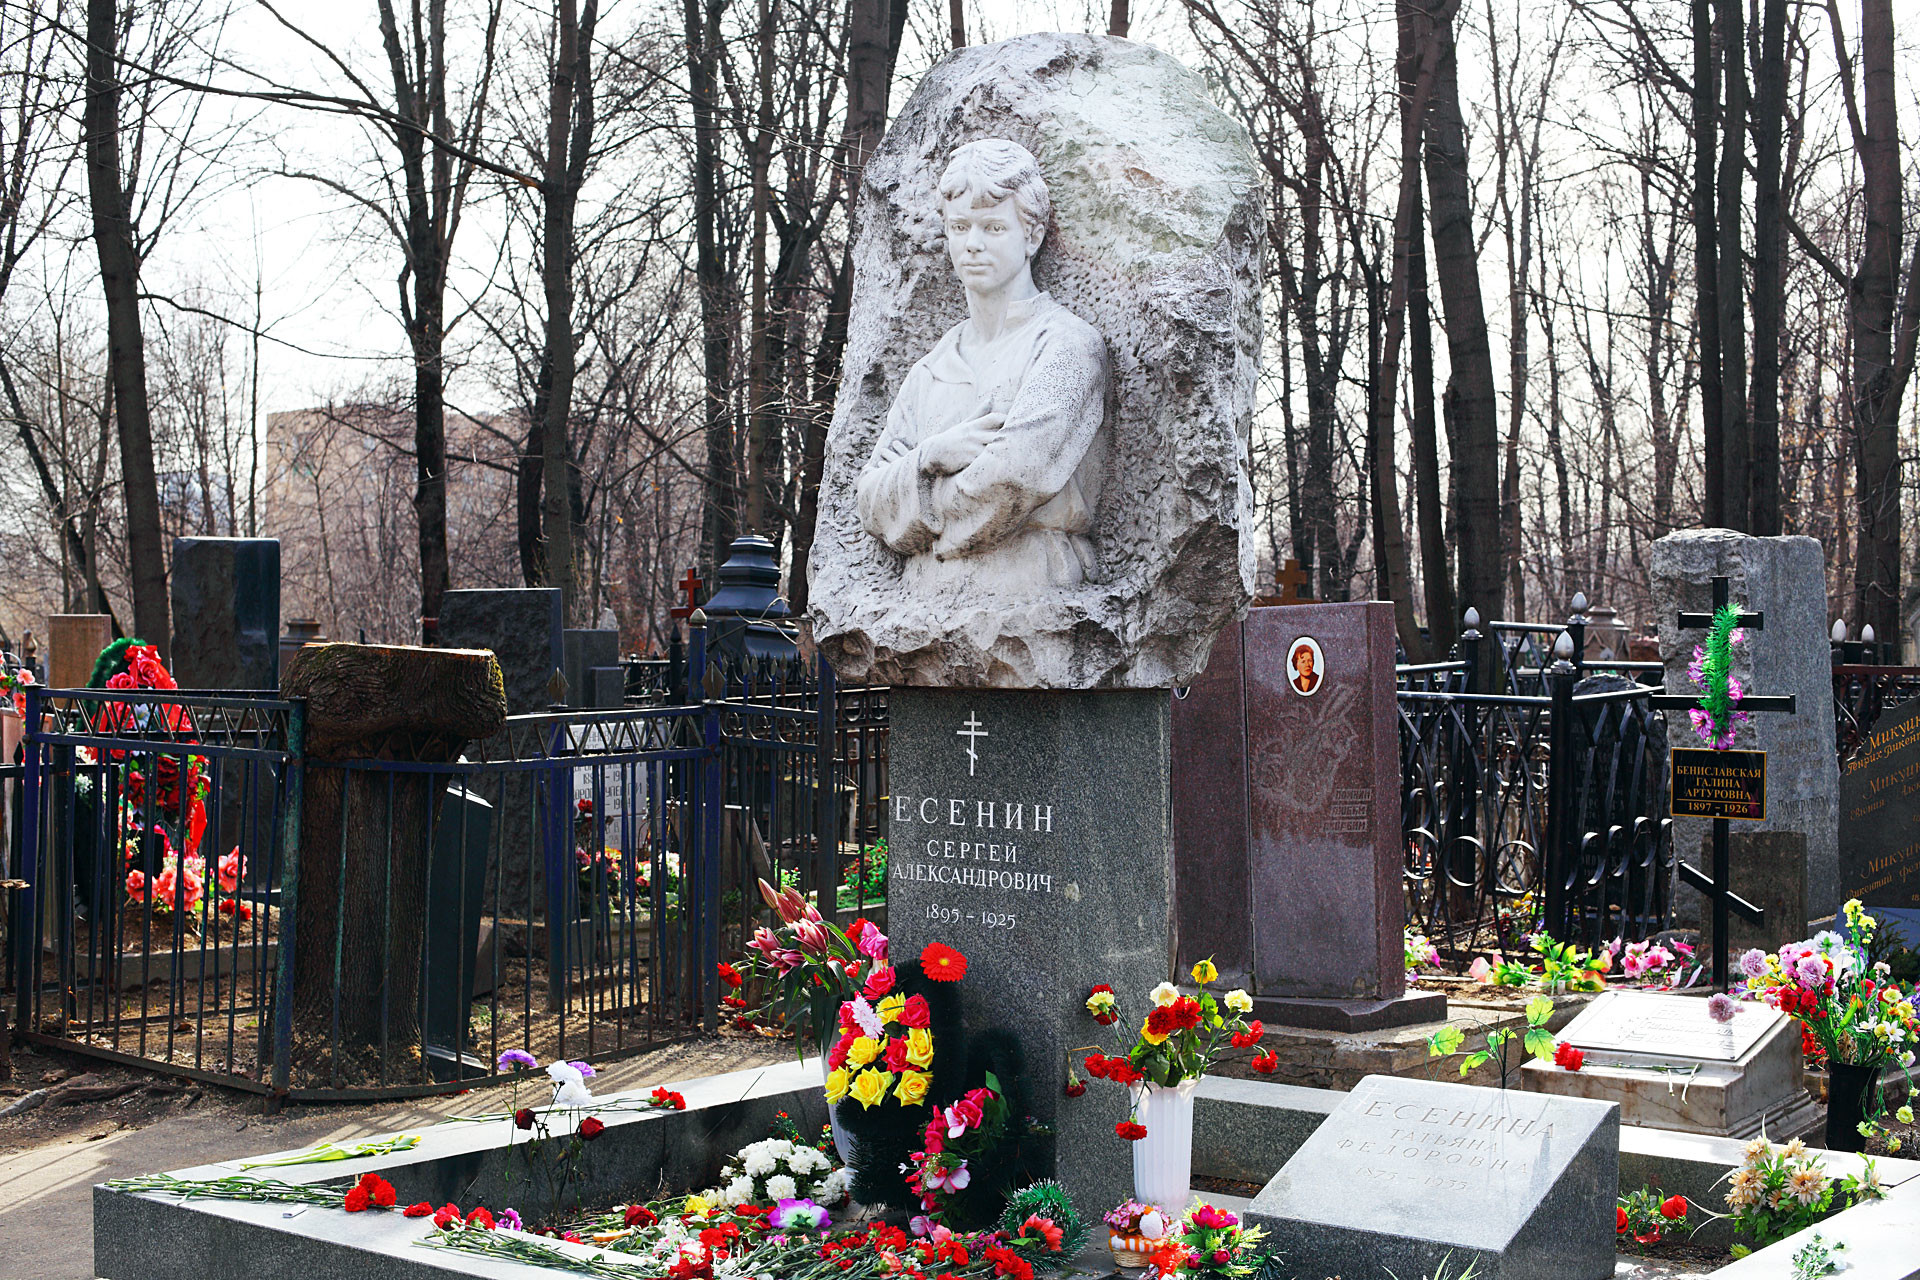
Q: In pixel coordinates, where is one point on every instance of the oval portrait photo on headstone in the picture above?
(1306, 666)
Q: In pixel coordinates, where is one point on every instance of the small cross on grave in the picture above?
(972, 732)
(690, 584)
(1723, 785)
(1295, 584)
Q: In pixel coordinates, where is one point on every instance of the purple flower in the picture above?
(584, 1068)
(516, 1060)
(509, 1219)
(799, 1215)
(1754, 963)
(1720, 1007)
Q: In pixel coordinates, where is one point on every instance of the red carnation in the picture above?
(1569, 1057)
(1250, 1037)
(942, 963)
(1673, 1208)
(420, 1210)
(1186, 1013)
(446, 1215)
(1096, 1066)
(1075, 1088)
(357, 1199)
(523, 1118)
(1121, 1071)
(592, 1127)
(1130, 1131)
(1265, 1063)
(1163, 1021)
(378, 1190)
(638, 1215)
(730, 975)
(480, 1218)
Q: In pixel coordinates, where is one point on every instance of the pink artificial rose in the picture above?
(1480, 970)
(230, 869)
(137, 885)
(878, 983)
(873, 943)
(962, 1116)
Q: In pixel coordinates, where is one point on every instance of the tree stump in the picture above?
(360, 893)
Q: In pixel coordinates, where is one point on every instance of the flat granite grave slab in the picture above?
(1408, 1175)
(1671, 1066)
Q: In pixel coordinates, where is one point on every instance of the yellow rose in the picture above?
(890, 1008)
(871, 1087)
(1239, 1001)
(1204, 972)
(1146, 1033)
(837, 1085)
(863, 1051)
(913, 1088)
(920, 1047)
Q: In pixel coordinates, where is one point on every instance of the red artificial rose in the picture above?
(1266, 1063)
(592, 1127)
(915, 1013)
(896, 1055)
(879, 982)
(1131, 1131)
(523, 1118)
(1619, 1220)
(941, 963)
(357, 1199)
(638, 1215)
(421, 1210)
(1673, 1208)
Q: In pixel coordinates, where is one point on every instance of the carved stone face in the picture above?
(989, 245)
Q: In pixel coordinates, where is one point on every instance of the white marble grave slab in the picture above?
(1668, 1026)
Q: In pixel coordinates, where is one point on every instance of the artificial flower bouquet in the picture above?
(1210, 1242)
(1781, 1188)
(777, 1171)
(1850, 1011)
(957, 1137)
(1181, 1038)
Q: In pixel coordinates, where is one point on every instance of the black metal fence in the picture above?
(1543, 804)
(206, 897)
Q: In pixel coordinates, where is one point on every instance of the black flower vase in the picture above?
(1849, 1091)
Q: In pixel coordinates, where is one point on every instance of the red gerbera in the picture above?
(942, 963)
(1131, 1131)
(592, 1127)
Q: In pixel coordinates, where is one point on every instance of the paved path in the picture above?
(46, 1197)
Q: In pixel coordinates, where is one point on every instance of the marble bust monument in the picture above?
(987, 473)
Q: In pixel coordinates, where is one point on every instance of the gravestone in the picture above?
(1785, 580)
(226, 613)
(1406, 1175)
(74, 642)
(581, 651)
(1287, 818)
(1769, 869)
(1669, 1065)
(1030, 830)
(606, 688)
(1880, 816)
(522, 625)
(456, 895)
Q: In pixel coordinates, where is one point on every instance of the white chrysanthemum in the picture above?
(756, 1163)
(807, 1160)
(833, 1188)
(569, 1085)
(1166, 993)
(781, 1187)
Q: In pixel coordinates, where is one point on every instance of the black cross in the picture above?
(1719, 889)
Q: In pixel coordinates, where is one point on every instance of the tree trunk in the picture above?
(874, 32)
(716, 347)
(1470, 393)
(1436, 566)
(1118, 18)
(1736, 461)
(126, 350)
(1769, 298)
(765, 465)
(957, 22)
(1706, 259)
(1871, 319)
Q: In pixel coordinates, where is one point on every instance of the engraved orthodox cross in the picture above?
(970, 730)
(1719, 887)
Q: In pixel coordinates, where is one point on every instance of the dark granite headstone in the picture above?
(1880, 815)
(582, 651)
(1768, 869)
(1031, 831)
(456, 892)
(522, 625)
(1406, 1175)
(226, 613)
(606, 688)
(1287, 790)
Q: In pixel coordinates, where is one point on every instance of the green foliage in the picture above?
(1716, 668)
(1050, 1200)
(1535, 1038)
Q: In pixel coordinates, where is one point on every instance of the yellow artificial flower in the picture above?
(890, 1008)
(1146, 1033)
(1239, 1001)
(864, 1050)
(912, 1090)
(920, 1047)
(837, 1084)
(1204, 972)
(698, 1205)
(871, 1087)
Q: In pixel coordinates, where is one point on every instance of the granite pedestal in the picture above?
(1670, 1066)
(1408, 1175)
(1785, 579)
(226, 613)
(1030, 830)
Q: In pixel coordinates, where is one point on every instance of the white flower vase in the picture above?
(1163, 1160)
